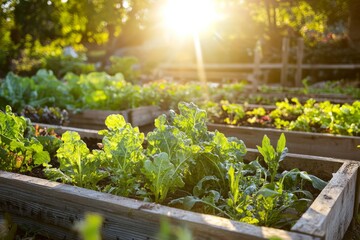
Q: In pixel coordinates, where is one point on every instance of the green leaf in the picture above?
(115, 121)
(266, 192)
(41, 158)
(199, 189)
(189, 202)
(162, 176)
(76, 163)
(305, 176)
(192, 121)
(281, 143)
(317, 182)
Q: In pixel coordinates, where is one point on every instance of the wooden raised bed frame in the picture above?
(306, 143)
(52, 208)
(95, 119)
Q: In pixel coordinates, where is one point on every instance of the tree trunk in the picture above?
(354, 24)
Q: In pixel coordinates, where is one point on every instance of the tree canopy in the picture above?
(113, 24)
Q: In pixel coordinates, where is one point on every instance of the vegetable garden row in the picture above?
(199, 157)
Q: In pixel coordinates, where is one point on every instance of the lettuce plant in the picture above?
(19, 148)
(77, 165)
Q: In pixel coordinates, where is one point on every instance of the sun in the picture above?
(189, 16)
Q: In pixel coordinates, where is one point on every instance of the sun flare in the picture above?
(189, 16)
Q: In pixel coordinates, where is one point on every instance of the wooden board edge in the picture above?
(85, 133)
(315, 144)
(331, 213)
(217, 126)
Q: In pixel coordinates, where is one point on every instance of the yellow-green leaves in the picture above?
(115, 122)
(191, 120)
(123, 155)
(271, 157)
(19, 149)
(77, 165)
(235, 112)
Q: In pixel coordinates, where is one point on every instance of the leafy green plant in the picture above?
(77, 165)
(126, 66)
(40, 90)
(98, 90)
(311, 116)
(234, 111)
(163, 175)
(20, 150)
(49, 115)
(171, 151)
(62, 64)
(122, 155)
(271, 156)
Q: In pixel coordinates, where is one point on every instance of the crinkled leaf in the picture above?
(192, 121)
(115, 122)
(76, 162)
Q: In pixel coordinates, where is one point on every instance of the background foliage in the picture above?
(33, 33)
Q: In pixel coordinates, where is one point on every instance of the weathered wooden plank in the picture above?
(85, 133)
(316, 144)
(61, 205)
(329, 214)
(93, 119)
(144, 115)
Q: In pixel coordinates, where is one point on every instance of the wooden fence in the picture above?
(252, 71)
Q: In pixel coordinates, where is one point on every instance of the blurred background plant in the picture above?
(34, 34)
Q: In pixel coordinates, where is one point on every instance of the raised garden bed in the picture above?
(271, 98)
(314, 144)
(52, 208)
(94, 119)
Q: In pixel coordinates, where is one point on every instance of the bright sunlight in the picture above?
(189, 16)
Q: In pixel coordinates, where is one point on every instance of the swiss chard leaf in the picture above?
(271, 157)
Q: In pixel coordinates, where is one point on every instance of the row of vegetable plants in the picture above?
(45, 98)
(183, 165)
(313, 128)
(311, 116)
(335, 91)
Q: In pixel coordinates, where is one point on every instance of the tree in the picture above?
(354, 24)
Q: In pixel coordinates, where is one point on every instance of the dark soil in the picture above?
(353, 233)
